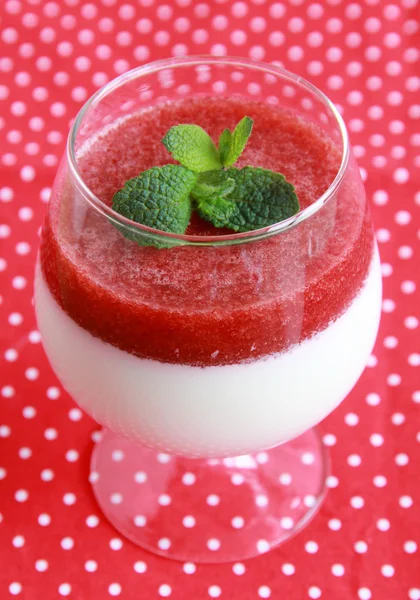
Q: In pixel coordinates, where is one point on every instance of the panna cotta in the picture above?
(209, 350)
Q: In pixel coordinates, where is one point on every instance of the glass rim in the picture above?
(214, 240)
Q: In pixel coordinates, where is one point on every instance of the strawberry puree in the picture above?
(205, 305)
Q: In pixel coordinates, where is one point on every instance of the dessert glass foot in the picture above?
(209, 510)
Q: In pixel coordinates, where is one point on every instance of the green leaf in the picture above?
(192, 147)
(260, 198)
(158, 198)
(217, 210)
(238, 141)
(212, 184)
(225, 141)
(210, 194)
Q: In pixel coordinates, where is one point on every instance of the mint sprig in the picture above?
(239, 199)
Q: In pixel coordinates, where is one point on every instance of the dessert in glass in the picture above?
(209, 356)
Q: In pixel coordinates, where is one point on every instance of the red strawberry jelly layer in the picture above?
(206, 305)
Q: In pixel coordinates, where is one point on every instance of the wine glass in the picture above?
(209, 361)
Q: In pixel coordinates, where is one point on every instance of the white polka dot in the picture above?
(44, 519)
(332, 481)
(92, 521)
(334, 54)
(354, 460)
(315, 67)
(41, 565)
(261, 500)
(405, 252)
(376, 439)
(6, 194)
(91, 566)
(72, 455)
(140, 477)
(411, 322)
(334, 524)
(295, 53)
(50, 433)
(288, 569)
(311, 547)
(383, 524)
(295, 25)
(64, 589)
(114, 589)
(237, 478)
(140, 566)
(398, 418)
(116, 498)
(387, 570)
(165, 590)
(163, 458)
(364, 593)
(338, 570)
(47, 475)
(238, 569)
(276, 38)
(264, 591)
(213, 544)
(214, 591)
(69, 498)
(188, 479)
(32, 373)
(314, 592)
(414, 359)
(360, 547)
(188, 521)
(390, 342)
(351, 419)
(15, 588)
(140, 520)
(238, 522)
(386, 269)
(277, 10)
(21, 495)
(116, 544)
(29, 412)
(329, 439)
(405, 501)
(307, 458)
(164, 543)
(414, 593)
(401, 175)
(393, 379)
(164, 499)
(18, 541)
(8, 391)
(357, 502)
(410, 547)
(67, 543)
(408, 287)
(14, 318)
(263, 546)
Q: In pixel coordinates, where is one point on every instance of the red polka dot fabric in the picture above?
(364, 543)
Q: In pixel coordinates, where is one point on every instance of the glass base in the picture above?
(209, 511)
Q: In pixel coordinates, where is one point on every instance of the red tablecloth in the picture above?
(364, 543)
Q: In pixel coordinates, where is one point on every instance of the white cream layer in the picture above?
(212, 411)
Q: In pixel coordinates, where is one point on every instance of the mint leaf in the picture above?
(212, 184)
(225, 141)
(192, 147)
(260, 198)
(217, 210)
(210, 193)
(238, 141)
(158, 198)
